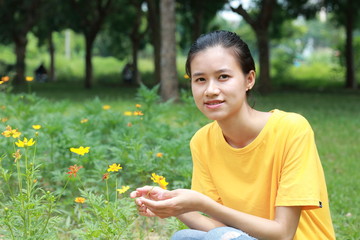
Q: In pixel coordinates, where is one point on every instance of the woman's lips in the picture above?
(213, 104)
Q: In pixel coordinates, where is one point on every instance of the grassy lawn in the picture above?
(167, 127)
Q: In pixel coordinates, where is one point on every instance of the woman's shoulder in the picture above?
(290, 120)
(205, 131)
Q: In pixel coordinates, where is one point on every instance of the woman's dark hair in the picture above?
(224, 39)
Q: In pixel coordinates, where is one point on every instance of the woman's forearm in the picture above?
(282, 227)
(196, 220)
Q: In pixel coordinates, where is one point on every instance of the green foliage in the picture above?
(134, 141)
(131, 136)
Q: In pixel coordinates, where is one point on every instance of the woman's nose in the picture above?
(212, 89)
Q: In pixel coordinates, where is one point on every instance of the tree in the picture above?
(126, 32)
(265, 18)
(169, 80)
(154, 29)
(52, 20)
(17, 18)
(195, 17)
(346, 14)
(88, 18)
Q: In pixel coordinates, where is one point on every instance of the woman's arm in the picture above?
(192, 219)
(196, 220)
(182, 202)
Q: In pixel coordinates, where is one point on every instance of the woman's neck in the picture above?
(242, 129)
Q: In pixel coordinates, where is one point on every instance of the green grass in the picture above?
(334, 116)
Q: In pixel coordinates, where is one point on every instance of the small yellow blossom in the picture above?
(114, 167)
(128, 113)
(138, 105)
(25, 143)
(79, 200)
(186, 76)
(138, 113)
(123, 189)
(5, 78)
(106, 107)
(81, 150)
(35, 181)
(16, 155)
(9, 132)
(5, 119)
(85, 120)
(1, 82)
(159, 155)
(159, 180)
(29, 79)
(36, 127)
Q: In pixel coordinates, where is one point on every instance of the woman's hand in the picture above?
(154, 201)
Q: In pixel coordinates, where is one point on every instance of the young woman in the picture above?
(256, 175)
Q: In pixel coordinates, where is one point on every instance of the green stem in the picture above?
(28, 191)
(62, 191)
(116, 194)
(48, 218)
(107, 190)
(9, 226)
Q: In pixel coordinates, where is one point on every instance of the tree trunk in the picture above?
(349, 56)
(169, 82)
(135, 48)
(260, 25)
(20, 52)
(52, 58)
(154, 24)
(88, 62)
(262, 37)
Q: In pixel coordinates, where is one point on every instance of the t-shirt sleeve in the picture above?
(201, 178)
(299, 184)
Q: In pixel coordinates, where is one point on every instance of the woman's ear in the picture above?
(250, 80)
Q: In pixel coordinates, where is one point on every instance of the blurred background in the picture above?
(297, 44)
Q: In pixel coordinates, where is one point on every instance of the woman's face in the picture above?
(218, 83)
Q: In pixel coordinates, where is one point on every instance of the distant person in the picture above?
(256, 175)
(41, 73)
(128, 73)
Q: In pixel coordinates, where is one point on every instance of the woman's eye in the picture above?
(223, 77)
(200, 80)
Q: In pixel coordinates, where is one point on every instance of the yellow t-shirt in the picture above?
(281, 167)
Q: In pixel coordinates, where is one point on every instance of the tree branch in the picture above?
(242, 12)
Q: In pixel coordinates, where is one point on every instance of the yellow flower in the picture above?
(1, 82)
(186, 76)
(9, 132)
(36, 127)
(81, 150)
(29, 79)
(85, 120)
(138, 105)
(80, 200)
(138, 113)
(25, 142)
(5, 78)
(106, 107)
(123, 189)
(114, 167)
(16, 155)
(128, 113)
(159, 155)
(5, 119)
(159, 180)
